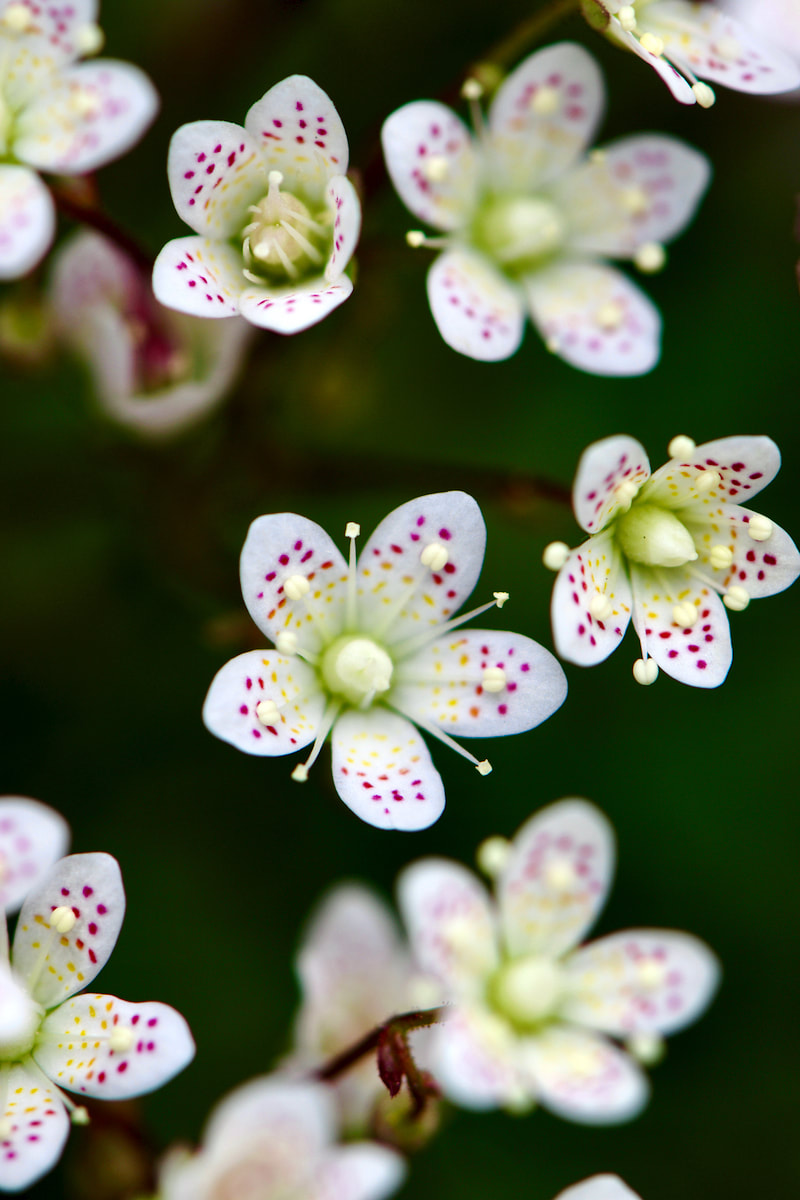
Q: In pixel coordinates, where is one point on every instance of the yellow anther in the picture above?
(62, 919)
(600, 606)
(436, 168)
(79, 1116)
(296, 586)
(685, 614)
(625, 491)
(627, 17)
(645, 671)
(286, 642)
(415, 238)
(83, 102)
(646, 1048)
(681, 447)
(545, 101)
(555, 555)
(300, 773)
(560, 874)
(720, 557)
(736, 598)
(352, 530)
(434, 555)
(484, 767)
(121, 1039)
(703, 94)
(707, 480)
(650, 257)
(471, 89)
(267, 712)
(18, 18)
(634, 200)
(610, 316)
(89, 39)
(500, 598)
(650, 973)
(652, 44)
(494, 679)
(492, 855)
(759, 528)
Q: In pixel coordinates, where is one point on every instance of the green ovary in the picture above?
(283, 241)
(655, 537)
(518, 232)
(357, 669)
(527, 991)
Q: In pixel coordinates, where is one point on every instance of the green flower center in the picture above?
(527, 991)
(283, 240)
(654, 536)
(357, 669)
(518, 232)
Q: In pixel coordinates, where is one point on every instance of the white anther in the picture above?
(560, 874)
(634, 200)
(650, 974)
(286, 642)
(296, 586)
(89, 39)
(626, 491)
(545, 101)
(83, 102)
(434, 555)
(720, 557)
(18, 18)
(652, 44)
(705, 96)
(500, 598)
(684, 614)
(627, 17)
(736, 598)
(121, 1039)
(471, 89)
(484, 767)
(436, 168)
(492, 855)
(275, 178)
(415, 238)
(707, 480)
(62, 919)
(645, 671)
(610, 316)
(300, 773)
(759, 528)
(352, 530)
(600, 606)
(681, 447)
(267, 712)
(650, 257)
(79, 1116)
(555, 555)
(646, 1048)
(494, 679)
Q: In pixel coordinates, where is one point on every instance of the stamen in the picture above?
(352, 531)
(436, 168)
(555, 555)
(685, 614)
(645, 671)
(494, 679)
(634, 200)
(89, 40)
(483, 767)
(560, 874)
(610, 316)
(121, 1039)
(78, 1114)
(650, 974)
(736, 598)
(492, 855)
(289, 267)
(500, 598)
(268, 712)
(650, 257)
(600, 606)
(83, 102)
(545, 101)
(286, 642)
(18, 18)
(300, 773)
(62, 919)
(416, 238)
(759, 528)
(681, 446)
(274, 179)
(720, 557)
(646, 1048)
(434, 555)
(652, 44)
(302, 241)
(704, 95)
(626, 491)
(296, 586)
(627, 17)
(707, 480)
(472, 90)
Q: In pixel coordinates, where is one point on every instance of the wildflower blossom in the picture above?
(527, 219)
(363, 651)
(153, 369)
(663, 550)
(276, 219)
(533, 1015)
(57, 115)
(32, 838)
(91, 1044)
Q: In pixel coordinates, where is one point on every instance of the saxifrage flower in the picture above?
(32, 838)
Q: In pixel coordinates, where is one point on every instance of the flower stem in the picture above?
(394, 1029)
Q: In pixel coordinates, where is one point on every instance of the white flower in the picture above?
(530, 1009)
(276, 219)
(663, 549)
(91, 1044)
(57, 116)
(273, 1138)
(32, 838)
(365, 650)
(153, 369)
(599, 1187)
(528, 218)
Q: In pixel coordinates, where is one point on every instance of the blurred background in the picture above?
(121, 600)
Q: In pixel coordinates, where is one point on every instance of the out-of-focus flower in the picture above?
(531, 1011)
(273, 1138)
(663, 550)
(776, 21)
(276, 219)
(57, 115)
(527, 218)
(51, 1039)
(32, 838)
(599, 1187)
(362, 651)
(153, 369)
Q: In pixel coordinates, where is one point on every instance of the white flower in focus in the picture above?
(276, 219)
(32, 838)
(50, 1038)
(57, 115)
(154, 370)
(599, 1187)
(272, 1139)
(534, 1015)
(671, 551)
(364, 650)
(528, 218)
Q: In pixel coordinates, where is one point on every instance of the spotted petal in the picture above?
(603, 467)
(584, 1078)
(57, 27)
(594, 318)
(640, 981)
(432, 162)
(296, 307)
(745, 465)
(678, 86)
(599, 1187)
(56, 965)
(556, 879)
(38, 1129)
(300, 1117)
(761, 567)
(477, 312)
(383, 771)
(444, 684)
(475, 1060)
(263, 675)
(595, 568)
(27, 221)
(544, 114)
(699, 655)
(32, 838)
(200, 277)
(215, 172)
(345, 207)
(360, 1171)
(300, 133)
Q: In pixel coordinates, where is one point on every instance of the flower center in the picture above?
(655, 537)
(528, 990)
(357, 669)
(283, 240)
(519, 231)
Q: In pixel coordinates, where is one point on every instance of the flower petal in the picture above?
(345, 204)
(603, 466)
(477, 312)
(39, 1127)
(451, 925)
(215, 172)
(599, 1187)
(300, 133)
(640, 981)
(27, 221)
(699, 655)
(476, 1060)
(594, 318)
(32, 838)
(58, 26)
(680, 88)
(296, 307)
(398, 595)
(595, 568)
(199, 277)
(239, 687)
(383, 771)
(56, 965)
(745, 465)
(299, 1118)
(556, 879)
(762, 568)
(360, 1171)
(443, 685)
(76, 1040)
(432, 162)
(544, 114)
(584, 1078)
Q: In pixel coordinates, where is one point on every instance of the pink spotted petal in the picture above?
(556, 880)
(762, 568)
(431, 159)
(75, 1046)
(359, 1171)
(215, 172)
(56, 26)
(345, 206)
(603, 467)
(398, 595)
(300, 134)
(27, 221)
(200, 277)
(443, 685)
(383, 771)
(584, 1078)
(278, 547)
(56, 965)
(476, 310)
(595, 567)
(681, 90)
(296, 307)
(530, 148)
(745, 465)
(39, 1127)
(240, 686)
(32, 838)
(640, 981)
(700, 655)
(594, 318)
(299, 1115)
(599, 1187)
(475, 1060)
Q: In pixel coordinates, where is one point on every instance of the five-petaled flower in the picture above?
(57, 115)
(51, 1039)
(531, 1011)
(526, 218)
(365, 650)
(276, 219)
(32, 838)
(663, 549)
